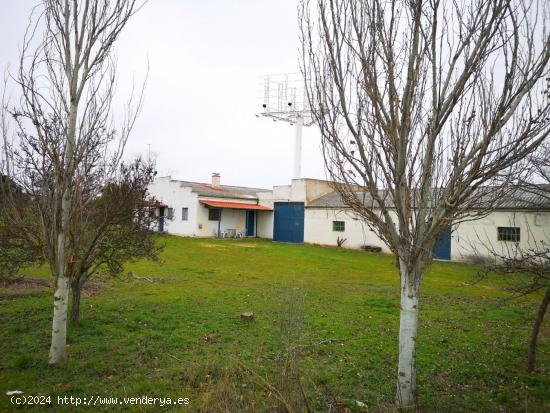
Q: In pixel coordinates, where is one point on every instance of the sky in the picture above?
(203, 88)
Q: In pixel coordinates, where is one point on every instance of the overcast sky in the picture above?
(205, 61)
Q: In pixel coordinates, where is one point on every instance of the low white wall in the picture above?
(479, 237)
(318, 229)
(472, 238)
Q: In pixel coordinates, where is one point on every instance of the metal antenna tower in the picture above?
(283, 98)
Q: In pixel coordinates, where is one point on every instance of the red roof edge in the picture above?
(234, 205)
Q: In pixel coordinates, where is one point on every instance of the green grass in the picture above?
(183, 337)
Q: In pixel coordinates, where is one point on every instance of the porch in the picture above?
(224, 219)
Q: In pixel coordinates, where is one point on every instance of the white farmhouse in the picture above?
(309, 210)
(210, 209)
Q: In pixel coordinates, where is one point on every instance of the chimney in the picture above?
(216, 178)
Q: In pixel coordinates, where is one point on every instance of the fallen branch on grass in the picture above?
(174, 357)
(148, 279)
(327, 341)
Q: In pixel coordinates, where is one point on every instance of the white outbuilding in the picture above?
(210, 209)
(311, 211)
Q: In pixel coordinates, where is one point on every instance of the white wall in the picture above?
(172, 194)
(231, 219)
(318, 229)
(301, 190)
(265, 224)
(479, 237)
(470, 238)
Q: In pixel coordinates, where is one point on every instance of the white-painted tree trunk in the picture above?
(408, 327)
(59, 324)
(58, 352)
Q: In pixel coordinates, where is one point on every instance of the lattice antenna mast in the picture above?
(283, 98)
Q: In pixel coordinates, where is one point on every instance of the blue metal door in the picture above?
(288, 222)
(442, 247)
(250, 223)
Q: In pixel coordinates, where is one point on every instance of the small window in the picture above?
(170, 214)
(214, 214)
(339, 226)
(184, 214)
(508, 234)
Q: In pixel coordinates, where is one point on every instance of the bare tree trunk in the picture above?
(61, 296)
(75, 304)
(59, 324)
(65, 162)
(408, 326)
(536, 329)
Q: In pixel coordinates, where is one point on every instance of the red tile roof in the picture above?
(234, 205)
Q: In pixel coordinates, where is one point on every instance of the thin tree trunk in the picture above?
(408, 327)
(61, 296)
(59, 324)
(536, 329)
(75, 305)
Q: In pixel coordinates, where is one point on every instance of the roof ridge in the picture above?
(219, 186)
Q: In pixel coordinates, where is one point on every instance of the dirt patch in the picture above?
(92, 289)
(30, 285)
(25, 285)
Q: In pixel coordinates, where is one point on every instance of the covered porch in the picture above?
(227, 219)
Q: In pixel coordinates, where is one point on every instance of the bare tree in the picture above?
(64, 125)
(111, 229)
(16, 252)
(425, 108)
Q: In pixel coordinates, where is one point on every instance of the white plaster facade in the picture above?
(182, 194)
(471, 238)
(479, 237)
(468, 239)
(318, 229)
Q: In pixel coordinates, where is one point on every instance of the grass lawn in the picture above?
(183, 337)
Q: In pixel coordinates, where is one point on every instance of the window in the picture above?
(170, 213)
(214, 214)
(184, 214)
(339, 226)
(508, 234)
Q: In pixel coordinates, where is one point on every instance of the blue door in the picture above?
(288, 222)
(442, 247)
(250, 223)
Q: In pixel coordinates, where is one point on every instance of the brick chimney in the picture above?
(216, 178)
